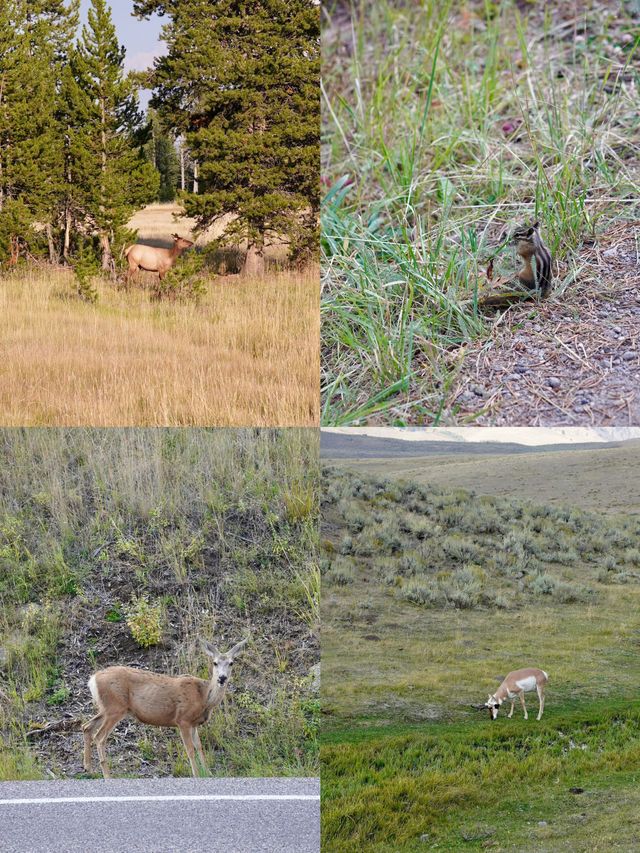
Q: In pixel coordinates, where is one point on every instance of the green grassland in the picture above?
(431, 594)
(126, 546)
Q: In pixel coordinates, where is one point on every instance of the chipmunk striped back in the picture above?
(529, 245)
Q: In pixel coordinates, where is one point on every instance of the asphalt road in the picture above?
(160, 816)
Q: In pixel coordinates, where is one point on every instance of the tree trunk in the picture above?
(195, 178)
(67, 234)
(254, 260)
(107, 258)
(53, 255)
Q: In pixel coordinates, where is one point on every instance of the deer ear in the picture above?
(210, 649)
(237, 648)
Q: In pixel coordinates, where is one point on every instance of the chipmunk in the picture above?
(529, 245)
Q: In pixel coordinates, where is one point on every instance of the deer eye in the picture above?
(230, 663)
(215, 663)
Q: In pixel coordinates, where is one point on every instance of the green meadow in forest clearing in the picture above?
(444, 126)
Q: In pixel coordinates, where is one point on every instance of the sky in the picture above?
(520, 435)
(140, 38)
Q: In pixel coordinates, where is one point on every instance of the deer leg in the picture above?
(101, 736)
(513, 705)
(524, 707)
(541, 699)
(195, 737)
(185, 733)
(88, 730)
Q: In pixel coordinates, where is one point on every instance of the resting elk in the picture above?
(151, 259)
(515, 685)
(183, 702)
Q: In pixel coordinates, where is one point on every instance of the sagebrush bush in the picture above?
(443, 548)
(340, 572)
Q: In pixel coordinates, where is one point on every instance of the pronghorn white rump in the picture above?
(183, 702)
(515, 685)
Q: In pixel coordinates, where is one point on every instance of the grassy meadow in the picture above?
(245, 354)
(445, 126)
(431, 594)
(127, 546)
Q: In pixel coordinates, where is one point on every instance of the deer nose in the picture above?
(222, 679)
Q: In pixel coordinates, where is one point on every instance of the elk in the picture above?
(515, 685)
(152, 259)
(183, 702)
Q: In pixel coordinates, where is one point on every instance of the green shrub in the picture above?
(145, 621)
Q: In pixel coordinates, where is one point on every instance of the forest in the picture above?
(78, 156)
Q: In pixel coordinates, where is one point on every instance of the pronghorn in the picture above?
(515, 685)
(183, 702)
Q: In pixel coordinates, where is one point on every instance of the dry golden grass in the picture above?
(247, 355)
(156, 222)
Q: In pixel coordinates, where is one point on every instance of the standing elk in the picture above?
(151, 259)
(514, 686)
(183, 702)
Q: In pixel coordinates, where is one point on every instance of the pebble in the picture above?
(521, 368)
(478, 391)
(542, 823)
(628, 356)
(554, 382)
(617, 330)
(514, 377)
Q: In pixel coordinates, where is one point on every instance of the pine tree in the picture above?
(161, 152)
(107, 166)
(33, 36)
(240, 82)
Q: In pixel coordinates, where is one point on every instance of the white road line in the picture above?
(156, 798)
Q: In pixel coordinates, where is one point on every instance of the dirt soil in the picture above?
(86, 626)
(571, 360)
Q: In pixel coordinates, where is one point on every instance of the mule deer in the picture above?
(151, 259)
(515, 685)
(183, 702)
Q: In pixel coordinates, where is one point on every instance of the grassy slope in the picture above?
(593, 479)
(216, 529)
(404, 752)
(446, 124)
(248, 354)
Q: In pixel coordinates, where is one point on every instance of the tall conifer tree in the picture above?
(107, 166)
(161, 151)
(240, 81)
(34, 41)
